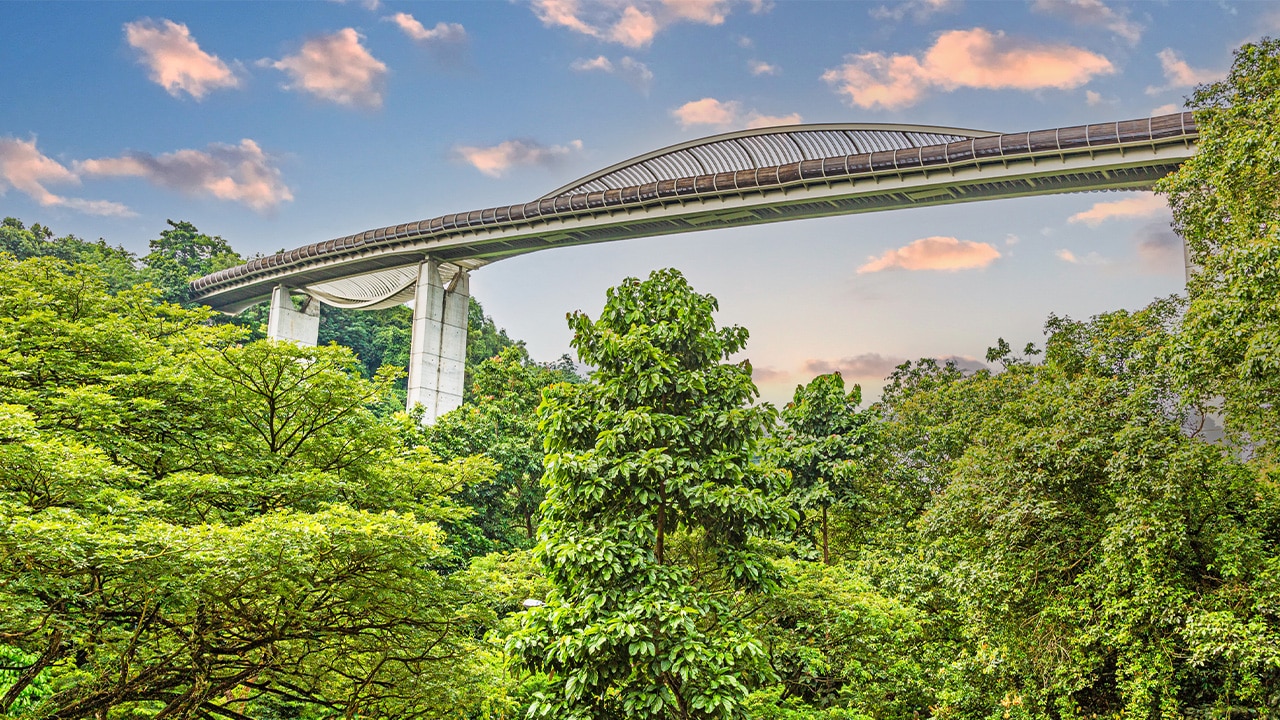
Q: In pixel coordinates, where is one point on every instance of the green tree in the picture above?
(828, 447)
(1224, 205)
(653, 501)
(501, 423)
(192, 527)
(183, 253)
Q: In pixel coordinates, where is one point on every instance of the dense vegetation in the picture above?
(198, 523)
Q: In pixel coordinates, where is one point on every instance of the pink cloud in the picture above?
(974, 58)
(1092, 258)
(442, 32)
(176, 61)
(24, 168)
(756, 120)
(934, 253)
(1141, 206)
(874, 366)
(760, 67)
(707, 111)
(237, 173)
(495, 160)
(1178, 74)
(635, 28)
(336, 68)
(727, 113)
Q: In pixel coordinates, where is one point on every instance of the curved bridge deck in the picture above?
(377, 268)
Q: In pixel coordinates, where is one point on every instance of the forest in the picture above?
(197, 522)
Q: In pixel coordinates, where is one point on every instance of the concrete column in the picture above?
(286, 323)
(438, 353)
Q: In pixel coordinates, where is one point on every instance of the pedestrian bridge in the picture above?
(741, 178)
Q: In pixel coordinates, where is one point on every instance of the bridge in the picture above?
(740, 178)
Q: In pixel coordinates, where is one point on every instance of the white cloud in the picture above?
(919, 10)
(1141, 206)
(237, 173)
(601, 63)
(1092, 258)
(1166, 109)
(1092, 98)
(176, 61)
(633, 23)
(443, 32)
(1096, 13)
(1178, 74)
(974, 58)
(628, 68)
(934, 253)
(25, 169)
(1012, 239)
(495, 160)
(760, 67)
(726, 114)
(336, 68)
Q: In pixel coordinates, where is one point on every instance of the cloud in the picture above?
(1096, 13)
(760, 67)
(756, 120)
(707, 111)
(1159, 247)
(1092, 258)
(495, 160)
(629, 69)
(633, 23)
(443, 32)
(336, 68)
(728, 113)
(237, 173)
(763, 374)
(1178, 74)
(974, 58)
(919, 10)
(24, 168)
(1012, 239)
(874, 366)
(1092, 98)
(1145, 205)
(934, 253)
(176, 61)
(1166, 109)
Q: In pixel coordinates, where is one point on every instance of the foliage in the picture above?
(501, 423)
(652, 504)
(1224, 202)
(827, 446)
(194, 527)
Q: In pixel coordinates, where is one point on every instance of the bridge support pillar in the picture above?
(438, 353)
(287, 323)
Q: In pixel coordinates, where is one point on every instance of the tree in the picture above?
(653, 501)
(183, 253)
(195, 527)
(501, 423)
(1101, 561)
(827, 446)
(1224, 205)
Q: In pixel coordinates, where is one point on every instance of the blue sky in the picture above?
(284, 123)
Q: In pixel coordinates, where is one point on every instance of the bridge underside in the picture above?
(385, 267)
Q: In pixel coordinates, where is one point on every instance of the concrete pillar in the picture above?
(438, 353)
(286, 323)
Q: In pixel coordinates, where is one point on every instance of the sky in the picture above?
(279, 124)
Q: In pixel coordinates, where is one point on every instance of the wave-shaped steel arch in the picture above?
(764, 147)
